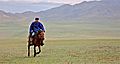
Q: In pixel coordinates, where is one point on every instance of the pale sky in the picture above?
(54, 1)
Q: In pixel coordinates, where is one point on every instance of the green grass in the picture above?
(66, 43)
(65, 30)
(89, 51)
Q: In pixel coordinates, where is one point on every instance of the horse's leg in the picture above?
(28, 50)
(39, 50)
(34, 50)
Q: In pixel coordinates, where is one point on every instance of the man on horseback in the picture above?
(36, 27)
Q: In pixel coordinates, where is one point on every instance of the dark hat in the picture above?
(36, 18)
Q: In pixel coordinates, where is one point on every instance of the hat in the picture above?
(36, 18)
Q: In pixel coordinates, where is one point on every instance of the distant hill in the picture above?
(7, 16)
(19, 7)
(86, 10)
(93, 10)
(95, 19)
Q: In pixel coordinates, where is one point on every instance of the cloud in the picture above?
(29, 1)
(55, 1)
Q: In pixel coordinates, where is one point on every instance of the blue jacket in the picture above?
(36, 26)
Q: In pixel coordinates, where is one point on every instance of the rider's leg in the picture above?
(42, 43)
(42, 38)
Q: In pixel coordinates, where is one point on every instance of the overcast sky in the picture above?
(18, 6)
(54, 1)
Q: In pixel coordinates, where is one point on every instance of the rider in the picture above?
(35, 27)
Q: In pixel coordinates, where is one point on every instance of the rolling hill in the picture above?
(19, 7)
(105, 9)
(95, 19)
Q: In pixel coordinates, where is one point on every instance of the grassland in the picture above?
(90, 51)
(66, 43)
(64, 29)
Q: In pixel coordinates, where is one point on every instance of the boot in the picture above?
(42, 43)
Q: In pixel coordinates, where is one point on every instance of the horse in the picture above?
(36, 41)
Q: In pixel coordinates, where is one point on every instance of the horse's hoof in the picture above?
(34, 55)
(28, 55)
